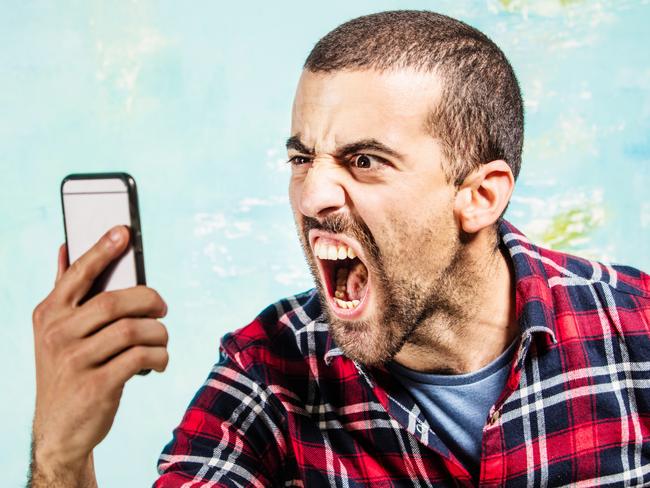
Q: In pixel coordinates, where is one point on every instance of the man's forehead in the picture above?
(387, 86)
(344, 105)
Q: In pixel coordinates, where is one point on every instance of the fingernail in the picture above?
(116, 235)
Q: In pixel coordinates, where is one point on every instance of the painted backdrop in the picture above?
(193, 99)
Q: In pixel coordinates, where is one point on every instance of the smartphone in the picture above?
(93, 203)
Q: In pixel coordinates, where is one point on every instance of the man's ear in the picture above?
(483, 196)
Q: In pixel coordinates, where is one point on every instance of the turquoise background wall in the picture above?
(193, 99)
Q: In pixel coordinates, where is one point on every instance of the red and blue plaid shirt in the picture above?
(284, 406)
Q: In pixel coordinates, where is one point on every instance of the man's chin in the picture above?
(361, 341)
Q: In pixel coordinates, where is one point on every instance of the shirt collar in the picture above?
(534, 307)
(332, 350)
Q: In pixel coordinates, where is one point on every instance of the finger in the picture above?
(118, 370)
(79, 277)
(62, 262)
(118, 336)
(109, 306)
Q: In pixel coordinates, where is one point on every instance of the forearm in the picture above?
(45, 475)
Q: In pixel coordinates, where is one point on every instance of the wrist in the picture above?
(48, 471)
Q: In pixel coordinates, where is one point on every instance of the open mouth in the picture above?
(343, 272)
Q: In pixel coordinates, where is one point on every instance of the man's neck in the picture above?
(487, 326)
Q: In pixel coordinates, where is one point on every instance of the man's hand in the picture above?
(84, 356)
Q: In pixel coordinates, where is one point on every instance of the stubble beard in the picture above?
(404, 301)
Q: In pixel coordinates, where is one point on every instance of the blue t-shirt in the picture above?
(457, 406)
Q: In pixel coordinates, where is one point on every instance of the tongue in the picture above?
(357, 281)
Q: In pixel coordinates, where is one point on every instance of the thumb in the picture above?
(62, 262)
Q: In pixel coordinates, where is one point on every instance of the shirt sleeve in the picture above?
(230, 436)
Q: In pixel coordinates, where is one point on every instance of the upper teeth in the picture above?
(331, 251)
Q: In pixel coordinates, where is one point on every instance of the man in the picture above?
(439, 348)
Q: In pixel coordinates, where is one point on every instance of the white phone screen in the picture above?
(91, 207)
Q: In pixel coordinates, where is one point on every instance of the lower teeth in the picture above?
(347, 304)
(341, 290)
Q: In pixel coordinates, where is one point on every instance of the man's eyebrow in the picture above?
(367, 145)
(296, 144)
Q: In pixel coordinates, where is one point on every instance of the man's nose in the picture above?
(322, 189)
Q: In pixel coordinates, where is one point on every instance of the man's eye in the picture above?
(365, 161)
(298, 160)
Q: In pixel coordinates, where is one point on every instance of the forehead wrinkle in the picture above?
(322, 119)
(321, 146)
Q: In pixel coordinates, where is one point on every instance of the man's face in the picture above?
(373, 210)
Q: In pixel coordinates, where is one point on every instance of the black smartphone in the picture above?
(93, 203)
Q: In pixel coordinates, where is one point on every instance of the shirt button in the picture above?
(494, 418)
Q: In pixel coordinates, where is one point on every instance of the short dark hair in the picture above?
(480, 114)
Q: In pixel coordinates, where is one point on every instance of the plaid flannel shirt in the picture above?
(284, 407)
